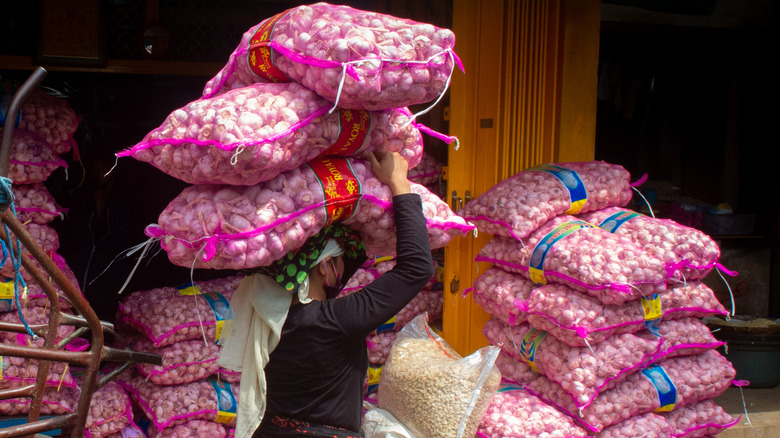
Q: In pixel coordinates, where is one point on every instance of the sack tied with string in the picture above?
(240, 227)
(356, 59)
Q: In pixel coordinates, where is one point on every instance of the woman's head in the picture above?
(336, 246)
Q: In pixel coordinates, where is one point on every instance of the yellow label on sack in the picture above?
(188, 289)
(226, 401)
(387, 326)
(7, 289)
(652, 307)
(578, 195)
(538, 255)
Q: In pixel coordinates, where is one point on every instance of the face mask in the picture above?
(333, 291)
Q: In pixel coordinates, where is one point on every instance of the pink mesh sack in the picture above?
(19, 371)
(182, 362)
(503, 294)
(515, 370)
(51, 118)
(520, 204)
(699, 420)
(169, 406)
(34, 203)
(253, 134)
(691, 253)
(55, 402)
(134, 305)
(36, 315)
(355, 59)
(514, 413)
(232, 227)
(581, 372)
(379, 345)
(109, 411)
(36, 296)
(32, 159)
(670, 384)
(569, 251)
(179, 318)
(578, 319)
(45, 236)
(649, 425)
(190, 429)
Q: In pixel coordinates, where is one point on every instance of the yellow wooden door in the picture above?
(528, 96)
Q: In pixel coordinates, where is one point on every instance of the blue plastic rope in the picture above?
(6, 202)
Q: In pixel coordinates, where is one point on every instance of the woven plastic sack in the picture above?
(182, 362)
(503, 294)
(254, 133)
(424, 371)
(520, 204)
(378, 423)
(169, 406)
(190, 429)
(569, 251)
(578, 319)
(183, 317)
(682, 380)
(699, 419)
(353, 58)
(232, 227)
(690, 252)
(514, 413)
(51, 118)
(34, 203)
(32, 159)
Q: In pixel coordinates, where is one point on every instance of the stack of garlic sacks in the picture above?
(272, 151)
(598, 310)
(43, 135)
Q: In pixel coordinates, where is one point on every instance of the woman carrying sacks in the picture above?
(302, 351)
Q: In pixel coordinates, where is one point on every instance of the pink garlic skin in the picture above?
(182, 362)
(190, 429)
(34, 203)
(32, 159)
(167, 321)
(649, 425)
(694, 252)
(379, 345)
(55, 402)
(565, 312)
(689, 420)
(523, 202)
(503, 294)
(518, 414)
(260, 224)
(51, 118)
(36, 297)
(137, 303)
(363, 39)
(252, 134)
(169, 406)
(590, 259)
(105, 411)
(515, 370)
(696, 377)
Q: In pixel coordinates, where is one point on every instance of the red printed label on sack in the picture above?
(355, 125)
(259, 58)
(339, 185)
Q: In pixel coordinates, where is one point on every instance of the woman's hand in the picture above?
(391, 169)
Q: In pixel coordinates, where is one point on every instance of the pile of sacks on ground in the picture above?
(273, 152)
(43, 134)
(597, 310)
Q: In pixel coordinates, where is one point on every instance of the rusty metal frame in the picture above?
(46, 273)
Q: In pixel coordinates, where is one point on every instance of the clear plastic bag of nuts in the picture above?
(432, 390)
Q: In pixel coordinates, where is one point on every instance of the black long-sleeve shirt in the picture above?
(317, 372)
